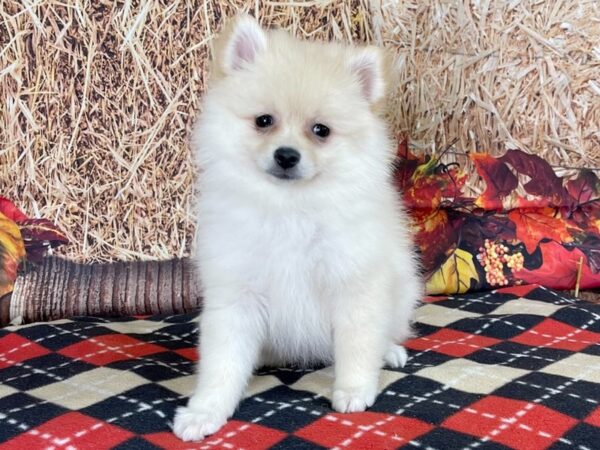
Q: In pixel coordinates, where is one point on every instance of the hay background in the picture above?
(97, 97)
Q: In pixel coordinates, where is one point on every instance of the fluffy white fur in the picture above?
(314, 269)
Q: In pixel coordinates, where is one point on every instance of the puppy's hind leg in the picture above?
(231, 336)
(408, 293)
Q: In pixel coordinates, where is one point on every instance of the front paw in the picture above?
(193, 425)
(396, 356)
(353, 400)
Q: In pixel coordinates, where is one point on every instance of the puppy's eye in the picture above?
(320, 130)
(264, 121)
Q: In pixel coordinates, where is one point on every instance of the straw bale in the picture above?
(493, 75)
(97, 98)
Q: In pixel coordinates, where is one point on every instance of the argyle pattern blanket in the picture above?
(515, 368)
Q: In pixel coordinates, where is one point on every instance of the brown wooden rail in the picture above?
(59, 288)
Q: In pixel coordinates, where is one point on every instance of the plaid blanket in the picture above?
(514, 368)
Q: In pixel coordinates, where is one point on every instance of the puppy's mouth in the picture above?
(284, 174)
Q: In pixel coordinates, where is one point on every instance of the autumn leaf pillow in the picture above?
(22, 239)
(501, 221)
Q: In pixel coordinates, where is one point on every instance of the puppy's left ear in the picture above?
(370, 65)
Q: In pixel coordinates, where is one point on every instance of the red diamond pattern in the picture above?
(555, 334)
(451, 342)
(188, 353)
(519, 291)
(365, 430)
(16, 349)
(515, 423)
(233, 435)
(71, 430)
(594, 418)
(102, 350)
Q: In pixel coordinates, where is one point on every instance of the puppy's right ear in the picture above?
(239, 44)
(370, 67)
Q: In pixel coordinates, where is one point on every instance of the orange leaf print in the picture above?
(533, 225)
(559, 269)
(435, 234)
(499, 180)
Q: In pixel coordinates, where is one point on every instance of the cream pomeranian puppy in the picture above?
(302, 243)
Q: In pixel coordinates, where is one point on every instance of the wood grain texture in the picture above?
(59, 288)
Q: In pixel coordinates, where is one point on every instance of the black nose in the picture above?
(286, 157)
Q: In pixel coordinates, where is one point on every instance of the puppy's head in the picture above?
(289, 111)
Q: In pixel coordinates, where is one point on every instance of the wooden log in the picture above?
(59, 288)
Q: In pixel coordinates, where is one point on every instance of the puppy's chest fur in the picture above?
(300, 282)
(293, 265)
